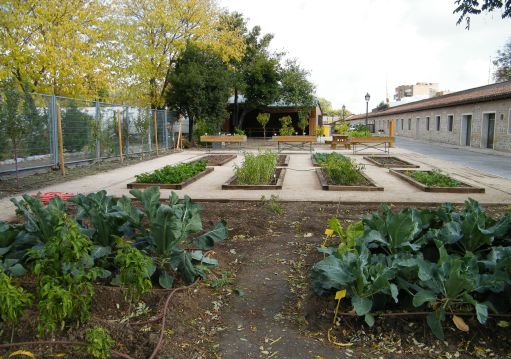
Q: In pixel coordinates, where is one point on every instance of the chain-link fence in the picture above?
(91, 131)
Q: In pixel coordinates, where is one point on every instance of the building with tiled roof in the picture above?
(478, 117)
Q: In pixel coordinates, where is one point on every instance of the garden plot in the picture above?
(218, 159)
(435, 181)
(389, 162)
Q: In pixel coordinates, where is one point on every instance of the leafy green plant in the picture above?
(256, 168)
(65, 269)
(433, 178)
(239, 132)
(321, 157)
(263, 119)
(343, 171)
(173, 174)
(99, 342)
(287, 126)
(135, 270)
(439, 259)
(342, 128)
(13, 299)
(168, 235)
(303, 120)
(360, 131)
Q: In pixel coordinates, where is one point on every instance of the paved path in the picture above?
(498, 164)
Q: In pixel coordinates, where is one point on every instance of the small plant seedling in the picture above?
(99, 342)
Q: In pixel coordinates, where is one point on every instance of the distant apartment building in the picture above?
(420, 90)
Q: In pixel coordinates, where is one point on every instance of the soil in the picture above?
(262, 305)
(218, 160)
(390, 161)
(36, 179)
(283, 160)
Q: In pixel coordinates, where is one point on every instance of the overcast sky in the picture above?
(358, 46)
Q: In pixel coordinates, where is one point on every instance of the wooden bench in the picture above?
(364, 143)
(340, 140)
(297, 142)
(224, 139)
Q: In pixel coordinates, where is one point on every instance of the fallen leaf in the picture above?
(460, 323)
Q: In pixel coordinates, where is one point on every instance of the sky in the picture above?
(356, 47)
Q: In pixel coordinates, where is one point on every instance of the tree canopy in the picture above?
(466, 8)
(200, 87)
(503, 63)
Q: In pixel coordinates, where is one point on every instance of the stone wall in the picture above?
(406, 124)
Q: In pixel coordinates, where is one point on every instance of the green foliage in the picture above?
(200, 86)
(439, 260)
(347, 239)
(502, 63)
(296, 89)
(342, 128)
(256, 169)
(99, 342)
(360, 131)
(135, 270)
(13, 299)
(76, 128)
(433, 178)
(261, 77)
(322, 157)
(65, 269)
(168, 235)
(341, 170)
(263, 119)
(382, 106)
(239, 132)
(287, 126)
(273, 204)
(303, 120)
(173, 173)
(466, 8)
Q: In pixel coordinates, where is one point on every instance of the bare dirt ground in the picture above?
(258, 303)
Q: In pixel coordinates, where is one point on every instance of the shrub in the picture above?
(360, 131)
(341, 170)
(173, 174)
(287, 126)
(256, 168)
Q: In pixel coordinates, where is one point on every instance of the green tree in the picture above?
(503, 63)
(303, 120)
(200, 87)
(296, 89)
(287, 126)
(76, 128)
(326, 106)
(382, 106)
(12, 123)
(263, 119)
(466, 8)
(142, 123)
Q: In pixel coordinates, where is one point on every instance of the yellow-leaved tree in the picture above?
(155, 32)
(58, 47)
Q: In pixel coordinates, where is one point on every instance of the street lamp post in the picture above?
(367, 105)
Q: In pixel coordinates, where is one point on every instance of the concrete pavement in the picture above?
(300, 184)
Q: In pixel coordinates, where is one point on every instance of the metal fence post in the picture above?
(165, 129)
(149, 137)
(98, 131)
(127, 125)
(53, 119)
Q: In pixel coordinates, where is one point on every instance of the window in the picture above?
(402, 124)
(409, 124)
(427, 123)
(438, 123)
(450, 120)
(388, 125)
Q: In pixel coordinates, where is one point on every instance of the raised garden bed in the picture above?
(276, 182)
(320, 157)
(389, 161)
(218, 160)
(283, 161)
(172, 177)
(326, 186)
(460, 188)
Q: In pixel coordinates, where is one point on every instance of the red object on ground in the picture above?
(47, 196)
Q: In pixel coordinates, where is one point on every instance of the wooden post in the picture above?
(391, 133)
(61, 142)
(179, 143)
(119, 133)
(155, 132)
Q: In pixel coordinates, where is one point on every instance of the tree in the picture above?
(296, 89)
(155, 33)
(326, 106)
(200, 87)
(11, 123)
(263, 119)
(58, 47)
(303, 120)
(473, 7)
(503, 63)
(76, 128)
(287, 126)
(382, 106)
(141, 124)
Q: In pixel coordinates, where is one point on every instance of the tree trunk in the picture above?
(264, 132)
(190, 130)
(242, 117)
(16, 162)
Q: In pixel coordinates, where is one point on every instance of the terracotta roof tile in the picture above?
(492, 92)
